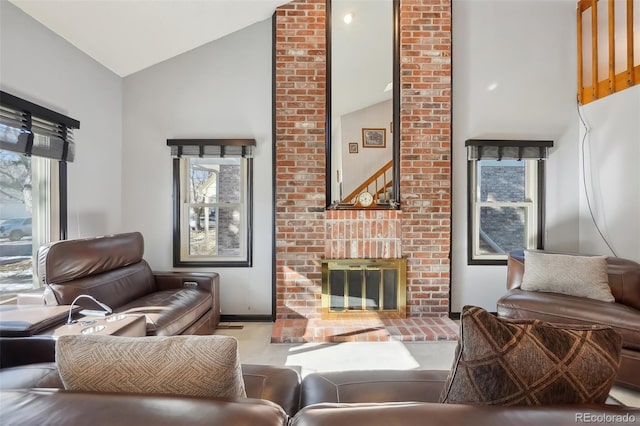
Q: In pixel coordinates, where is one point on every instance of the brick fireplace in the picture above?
(305, 232)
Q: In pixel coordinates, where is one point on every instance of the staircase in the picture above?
(379, 184)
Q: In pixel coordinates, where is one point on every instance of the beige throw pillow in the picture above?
(581, 276)
(181, 365)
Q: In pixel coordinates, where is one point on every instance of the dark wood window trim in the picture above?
(212, 148)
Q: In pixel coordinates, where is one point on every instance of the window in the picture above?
(213, 198)
(35, 144)
(28, 188)
(506, 198)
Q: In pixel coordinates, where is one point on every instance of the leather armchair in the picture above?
(623, 314)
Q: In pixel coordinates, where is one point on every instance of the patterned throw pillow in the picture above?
(581, 276)
(521, 362)
(180, 365)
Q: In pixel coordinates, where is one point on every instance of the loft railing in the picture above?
(607, 59)
(377, 184)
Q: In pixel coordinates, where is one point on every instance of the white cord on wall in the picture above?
(587, 130)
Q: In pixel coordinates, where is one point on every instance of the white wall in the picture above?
(513, 77)
(219, 90)
(612, 155)
(41, 67)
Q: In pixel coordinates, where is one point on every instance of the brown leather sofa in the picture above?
(623, 314)
(111, 269)
(32, 394)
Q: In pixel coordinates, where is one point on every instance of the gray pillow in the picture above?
(206, 366)
(581, 276)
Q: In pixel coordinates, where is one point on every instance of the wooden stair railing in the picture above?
(377, 184)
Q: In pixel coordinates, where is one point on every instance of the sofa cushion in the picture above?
(170, 312)
(582, 276)
(68, 260)
(183, 365)
(113, 288)
(504, 362)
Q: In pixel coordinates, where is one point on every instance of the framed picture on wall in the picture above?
(353, 147)
(374, 138)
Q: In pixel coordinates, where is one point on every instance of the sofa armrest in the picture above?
(208, 282)
(17, 351)
(174, 280)
(515, 269)
(276, 384)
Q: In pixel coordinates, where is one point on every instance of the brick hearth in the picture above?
(364, 328)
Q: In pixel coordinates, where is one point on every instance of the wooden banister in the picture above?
(376, 184)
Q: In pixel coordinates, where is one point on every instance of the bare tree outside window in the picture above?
(16, 206)
(214, 210)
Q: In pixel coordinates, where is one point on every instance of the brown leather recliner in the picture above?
(111, 269)
(623, 315)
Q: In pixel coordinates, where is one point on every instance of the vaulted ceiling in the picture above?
(127, 36)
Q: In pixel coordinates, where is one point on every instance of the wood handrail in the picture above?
(373, 179)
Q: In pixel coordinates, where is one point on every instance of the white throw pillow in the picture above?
(581, 276)
(179, 365)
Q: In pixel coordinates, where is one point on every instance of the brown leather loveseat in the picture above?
(623, 314)
(31, 393)
(111, 269)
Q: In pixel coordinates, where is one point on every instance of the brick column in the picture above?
(300, 75)
(425, 160)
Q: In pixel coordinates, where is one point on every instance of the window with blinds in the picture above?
(35, 145)
(212, 201)
(506, 198)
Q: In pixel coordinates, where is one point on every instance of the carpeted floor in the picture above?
(256, 348)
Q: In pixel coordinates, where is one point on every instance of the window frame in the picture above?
(181, 224)
(48, 188)
(49, 183)
(535, 176)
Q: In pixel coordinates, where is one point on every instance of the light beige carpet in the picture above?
(255, 348)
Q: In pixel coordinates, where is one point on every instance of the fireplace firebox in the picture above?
(364, 286)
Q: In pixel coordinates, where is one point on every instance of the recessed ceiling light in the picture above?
(348, 18)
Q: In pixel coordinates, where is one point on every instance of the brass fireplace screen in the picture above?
(364, 285)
